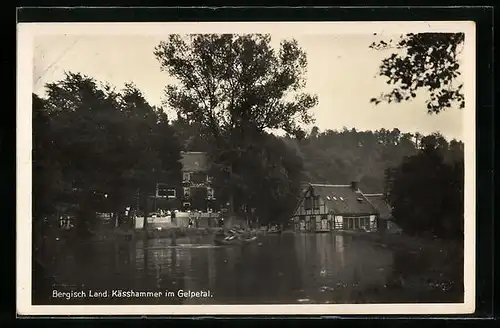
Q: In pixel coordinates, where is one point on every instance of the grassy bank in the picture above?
(177, 231)
(404, 241)
(106, 234)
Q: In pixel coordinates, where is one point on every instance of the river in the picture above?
(278, 269)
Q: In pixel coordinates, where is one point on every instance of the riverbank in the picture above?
(130, 234)
(168, 232)
(179, 232)
(433, 268)
(282, 269)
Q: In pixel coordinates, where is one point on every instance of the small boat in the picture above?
(274, 229)
(249, 239)
(226, 240)
(233, 240)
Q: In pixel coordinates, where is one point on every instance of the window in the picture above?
(334, 198)
(187, 191)
(342, 198)
(163, 191)
(316, 203)
(209, 178)
(186, 176)
(210, 193)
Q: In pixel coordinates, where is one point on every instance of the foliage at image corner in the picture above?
(97, 147)
(426, 62)
(234, 88)
(426, 191)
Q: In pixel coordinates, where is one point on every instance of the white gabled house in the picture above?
(325, 207)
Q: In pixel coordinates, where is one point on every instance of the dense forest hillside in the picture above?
(98, 149)
(338, 157)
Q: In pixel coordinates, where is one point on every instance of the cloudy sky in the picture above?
(342, 71)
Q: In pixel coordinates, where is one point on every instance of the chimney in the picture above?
(354, 185)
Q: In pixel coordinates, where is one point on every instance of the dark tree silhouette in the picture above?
(233, 88)
(427, 193)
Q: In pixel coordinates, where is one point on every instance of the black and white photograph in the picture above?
(246, 168)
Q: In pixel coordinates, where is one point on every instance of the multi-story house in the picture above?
(194, 192)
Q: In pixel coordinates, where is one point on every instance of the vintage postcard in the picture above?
(320, 168)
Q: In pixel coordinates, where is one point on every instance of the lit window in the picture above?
(334, 198)
(328, 197)
(341, 198)
(187, 191)
(209, 178)
(186, 176)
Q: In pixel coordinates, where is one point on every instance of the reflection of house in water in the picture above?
(326, 253)
(383, 208)
(336, 207)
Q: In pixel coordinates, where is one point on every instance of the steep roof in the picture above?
(194, 161)
(343, 199)
(379, 202)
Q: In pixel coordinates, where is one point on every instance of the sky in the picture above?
(342, 72)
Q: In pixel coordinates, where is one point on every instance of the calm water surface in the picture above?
(302, 268)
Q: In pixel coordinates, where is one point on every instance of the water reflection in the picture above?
(302, 268)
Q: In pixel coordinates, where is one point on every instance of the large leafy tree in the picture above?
(188, 134)
(427, 192)
(423, 61)
(266, 179)
(234, 88)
